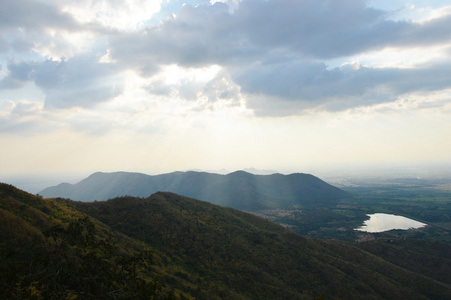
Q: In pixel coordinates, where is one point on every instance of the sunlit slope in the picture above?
(48, 250)
(239, 190)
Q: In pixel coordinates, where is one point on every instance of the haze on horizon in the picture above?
(166, 85)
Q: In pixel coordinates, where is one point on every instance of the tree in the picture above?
(82, 265)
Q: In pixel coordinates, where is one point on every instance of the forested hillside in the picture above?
(59, 248)
(50, 251)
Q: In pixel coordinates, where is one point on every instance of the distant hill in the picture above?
(49, 249)
(240, 190)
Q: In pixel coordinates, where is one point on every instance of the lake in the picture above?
(384, 222)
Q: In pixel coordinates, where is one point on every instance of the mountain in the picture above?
(50, 251)
(59, 248)
(240, 190)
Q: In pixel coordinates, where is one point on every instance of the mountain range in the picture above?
(240, 190)
(64, 249)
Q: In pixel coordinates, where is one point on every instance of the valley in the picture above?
(427, 204)
(304, 248)
(302, 203)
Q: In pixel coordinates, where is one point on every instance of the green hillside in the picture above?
(240, 190)
(50, 251)
(429, 258)
(200, 251)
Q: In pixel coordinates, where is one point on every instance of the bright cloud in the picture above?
(287, 58)
(123, 15)
(241, 78)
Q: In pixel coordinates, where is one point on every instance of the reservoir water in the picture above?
(385, 222)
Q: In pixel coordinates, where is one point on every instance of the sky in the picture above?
(156, 86)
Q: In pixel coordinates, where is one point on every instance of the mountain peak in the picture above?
(240, 172)
(239, 189)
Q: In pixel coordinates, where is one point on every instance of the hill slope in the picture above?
(210, 252)
(256, 257)
(239, 190)
(51, 251)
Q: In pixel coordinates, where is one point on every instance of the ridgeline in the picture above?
(240, 190)
(199, 251)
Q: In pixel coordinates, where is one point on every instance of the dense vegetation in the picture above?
(42, 257)
(239, 190)
(430, 258)
(62, 249)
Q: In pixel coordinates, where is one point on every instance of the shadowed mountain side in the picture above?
(239, 190)
(252, 255)
(204, 252)
(429, 258)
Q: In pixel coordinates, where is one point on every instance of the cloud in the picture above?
(44, 28)
(33, 15)
(80, 81)
(291, 88)
(29, 118)
(274, 54)
(322, 29)
(122, 15)
(311, 28)
(279, 50)
(329, 29)
(23, 117)
(26, 108)
(18, 75)
(6, 106)
(3, 45)
(184, 83)
(197, 37)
